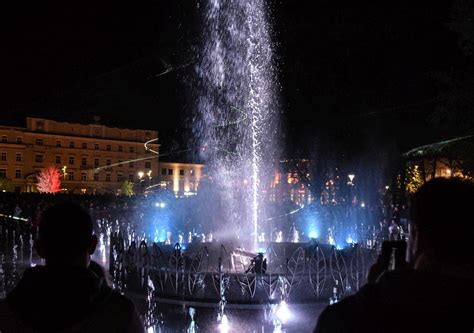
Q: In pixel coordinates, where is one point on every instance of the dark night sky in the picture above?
(367, 66)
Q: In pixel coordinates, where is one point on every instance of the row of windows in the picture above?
(72, 144)
(108, 177)
(18, 139)
(3, 173)
(169, 172)
(108, 162)
(70, 176)
(58, 160)
(18, 157)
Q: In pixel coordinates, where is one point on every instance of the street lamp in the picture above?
(351, 184)
(351, 178)
(64, 170)
(140, 177)
(149, 177)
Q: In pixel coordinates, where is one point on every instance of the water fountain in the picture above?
(236, 126)
(237, 112)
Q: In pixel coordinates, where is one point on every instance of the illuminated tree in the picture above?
(6, 185)
(127, 188)
(49, 180)
(414, 179)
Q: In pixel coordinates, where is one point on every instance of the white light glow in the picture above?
(283, 313)
(150, 330)
(224, 325)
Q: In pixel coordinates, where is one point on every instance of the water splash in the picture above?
(192, 324)
(237, 120)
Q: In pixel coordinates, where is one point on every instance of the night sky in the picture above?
(368, 73)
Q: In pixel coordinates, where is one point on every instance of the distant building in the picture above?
(291, 181)
(93, 158)
(448, 158)
(181, 178)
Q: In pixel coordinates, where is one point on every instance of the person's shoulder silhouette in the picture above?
(70, 293)
(436, 290)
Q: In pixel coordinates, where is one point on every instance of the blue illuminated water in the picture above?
(237, 118)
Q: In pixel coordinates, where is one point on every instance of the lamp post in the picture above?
(140, 179)
(351, 177)
(64, 170)
(149, 177)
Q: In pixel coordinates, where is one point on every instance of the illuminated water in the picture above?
(17, 254)
(237, 116)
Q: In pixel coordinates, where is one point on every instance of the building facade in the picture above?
(92, 158)
(290, 182)
(181, 178)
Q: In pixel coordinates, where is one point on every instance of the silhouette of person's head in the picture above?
(441, 227)
(65, 235)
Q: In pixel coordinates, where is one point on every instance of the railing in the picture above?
(309, 274)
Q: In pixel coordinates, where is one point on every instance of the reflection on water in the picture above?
(17, 253)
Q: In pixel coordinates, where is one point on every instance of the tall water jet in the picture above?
(237, 119)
